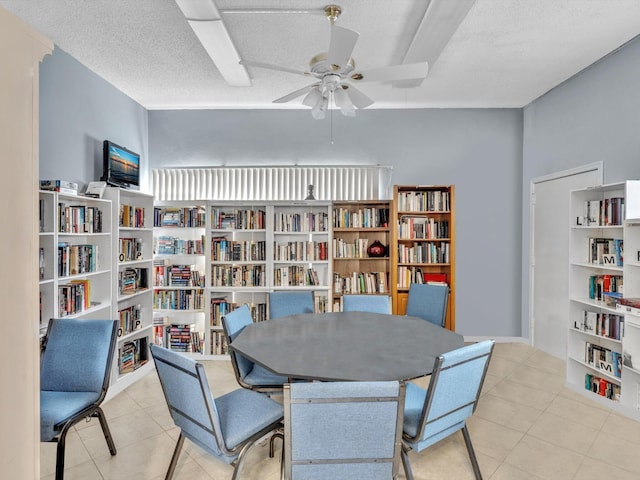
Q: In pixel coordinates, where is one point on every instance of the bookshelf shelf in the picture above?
(600, 230)
(423, 228)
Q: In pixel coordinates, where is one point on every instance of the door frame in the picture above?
(596, 166)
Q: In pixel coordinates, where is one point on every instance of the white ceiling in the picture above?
(505, 53)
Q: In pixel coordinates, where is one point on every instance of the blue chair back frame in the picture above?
(428, 301)
(367, 303)
(285, 302)
(329, 432)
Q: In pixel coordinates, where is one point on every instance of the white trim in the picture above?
(475, 339)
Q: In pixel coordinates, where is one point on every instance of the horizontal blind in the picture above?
(272, 183)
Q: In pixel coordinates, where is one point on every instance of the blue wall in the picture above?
(593, 117)
(78, 111)
(477, 150)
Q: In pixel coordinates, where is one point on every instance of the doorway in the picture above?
(549, 255)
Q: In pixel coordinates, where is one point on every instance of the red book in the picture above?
(603, 387)
(435, 277)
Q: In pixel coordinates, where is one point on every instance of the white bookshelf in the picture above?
(598, 330)
(132, 292)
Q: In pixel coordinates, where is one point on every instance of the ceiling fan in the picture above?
(335, 73)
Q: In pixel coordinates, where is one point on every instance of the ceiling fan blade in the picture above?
(359, 99)
(341, 46)
(268, 66)
(395, 72)
(295, 94)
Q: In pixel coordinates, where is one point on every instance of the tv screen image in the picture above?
(121, 166)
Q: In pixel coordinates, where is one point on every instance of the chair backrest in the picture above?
(77, 355)
(454, 388)
(283, 303)
(189, 398)
(366, 303)
(428, 301)
(233, 323)
(343, 429)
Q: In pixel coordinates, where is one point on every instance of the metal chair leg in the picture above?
(105, 429)
(174, 457)
(404, 454)
(272, 442)
(472, 453)
(60, 456)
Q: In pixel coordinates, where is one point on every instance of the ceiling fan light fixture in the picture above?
(312, 98)
(343, 102)
(319, 110)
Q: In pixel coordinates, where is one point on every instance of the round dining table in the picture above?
(346, 346)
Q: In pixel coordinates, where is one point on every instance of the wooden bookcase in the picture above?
(132, 219)
(423, 242)
(603, 338)
(356, 226)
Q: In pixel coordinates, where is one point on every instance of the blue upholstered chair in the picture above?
(442, 410)
(366, 303)
(75, 365)
(227, 426)
(248, 374)
(428, 301)
(283, 303)
(342, 430)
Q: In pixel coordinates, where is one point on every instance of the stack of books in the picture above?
(61, 186)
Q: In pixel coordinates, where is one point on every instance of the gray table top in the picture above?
(353, 346)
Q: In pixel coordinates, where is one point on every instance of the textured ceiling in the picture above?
(505, 53)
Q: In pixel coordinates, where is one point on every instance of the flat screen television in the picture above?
(121, 166)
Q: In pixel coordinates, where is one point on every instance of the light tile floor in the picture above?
(528, 426)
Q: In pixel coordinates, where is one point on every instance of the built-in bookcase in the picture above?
(423, 242)
(75, 257)
(603, 273)
(358, 269)
(178, 278)
(132, 219)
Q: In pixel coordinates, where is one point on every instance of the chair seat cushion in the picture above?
(244, 413)
(261, 376)
(56, 407)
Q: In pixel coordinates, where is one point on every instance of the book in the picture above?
(55, 184)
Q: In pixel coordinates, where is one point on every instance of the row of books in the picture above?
(603, 213)
(295, 276)
(426, 201)
(424, 252)
(219, 344)
(301, 222)
(224, 250)
(178, 299)
(409, 275)
(76, 259)
(166, 275)
(131, 216)
(165, 245)
(178, 337)
(130, 319)
(132, 355)
(355, 249)
(238, 219)
(129, 249)
(79, 219)
(606, 251)
(61, 186)
(367, 217)
(238, 275)
(179, 217)
(132, 280)
(607, 325)
(360, 283)
(301, 251)
(602, 386)
(422, 227)
(74, 297)
(603, 358)
(601, 284)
